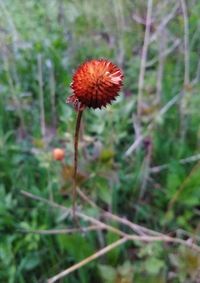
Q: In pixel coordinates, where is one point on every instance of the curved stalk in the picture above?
(76, 139)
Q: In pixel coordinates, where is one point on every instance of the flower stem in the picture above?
(76, 139)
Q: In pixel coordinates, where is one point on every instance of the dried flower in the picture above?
(58, 154)
(95, 84)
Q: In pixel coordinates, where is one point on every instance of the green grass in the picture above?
(41, 44)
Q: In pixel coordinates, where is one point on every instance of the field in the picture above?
(138, 183)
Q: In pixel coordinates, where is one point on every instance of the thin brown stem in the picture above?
(76, 139)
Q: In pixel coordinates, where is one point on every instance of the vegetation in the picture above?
(138, 158)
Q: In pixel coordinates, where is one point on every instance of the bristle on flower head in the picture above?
(95, 84)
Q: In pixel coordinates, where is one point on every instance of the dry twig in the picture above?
(144, 238)
(87, 260)
(190, 159)
(41, 96)
(63, 231)
(183, 103)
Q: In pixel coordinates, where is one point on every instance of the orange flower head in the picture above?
(95, 84)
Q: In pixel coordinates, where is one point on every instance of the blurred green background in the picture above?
(41, 44)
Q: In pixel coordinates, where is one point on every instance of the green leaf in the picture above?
(30, 262)
(153, 265)
(107, 273)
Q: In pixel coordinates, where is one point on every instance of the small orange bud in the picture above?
(58, 154)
